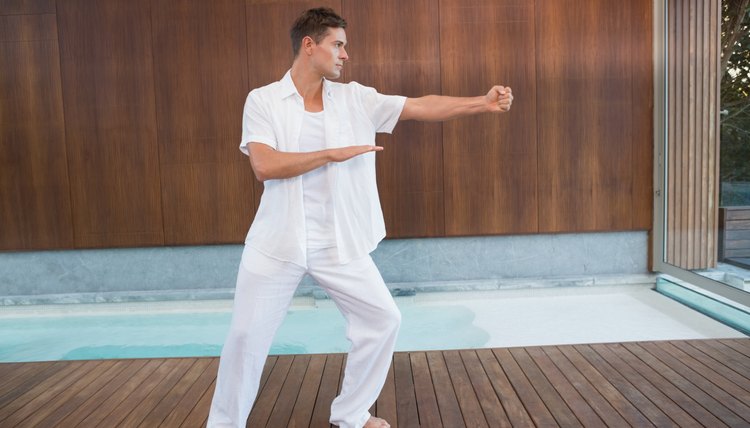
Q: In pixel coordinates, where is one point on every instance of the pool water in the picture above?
(154, 332)
(431, 321)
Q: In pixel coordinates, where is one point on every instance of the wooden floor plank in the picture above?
(406, 400)
(424, 390)
(731, 355)
(24, 404)
(467, 398)
(270, 392)
(386, 403)
(670, 390)
(609, 404)
(666, 384)
(512, 405)
(572, 397)
(191, 397)
(741, 346)
(624, 385)
(282, 410)
(146, 402)
(162, 409)
(130, 410)
(78, 392)
(488, 400)
(37, 373)
(20, 371)
(685, 385)
(450, 411)
(199, 413)
(327, 392)
(722, 390)
(556, 405)
(308, 392)
(7, 369)
(95, 410)
(644, 385)
(698, 351)
(538, 411)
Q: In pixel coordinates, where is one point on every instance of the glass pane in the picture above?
(707, 203)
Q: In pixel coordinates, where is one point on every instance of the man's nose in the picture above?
(343, 55)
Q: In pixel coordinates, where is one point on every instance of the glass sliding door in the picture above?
(702, 137)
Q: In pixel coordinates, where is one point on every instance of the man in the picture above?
(311, 142)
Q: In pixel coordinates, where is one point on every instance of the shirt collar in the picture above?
(288, 88)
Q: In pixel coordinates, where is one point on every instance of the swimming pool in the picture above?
(431, 321)
(192, 329)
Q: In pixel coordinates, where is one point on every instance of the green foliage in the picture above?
(735, 98)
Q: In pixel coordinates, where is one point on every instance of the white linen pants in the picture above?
(265, 287)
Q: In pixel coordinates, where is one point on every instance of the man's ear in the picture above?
(307, 44)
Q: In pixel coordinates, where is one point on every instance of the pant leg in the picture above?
(372, 326)
(264, 291)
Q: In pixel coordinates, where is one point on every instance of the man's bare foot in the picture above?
(374, 422)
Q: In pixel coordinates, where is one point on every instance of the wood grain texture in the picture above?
(584, 75)
(26, 7)
(200, 79)
(663, 383)
(692, 179)
(110, 122)
(141, 103)
(642, 111)
(490, 161)
(393, 47)
(34, 189)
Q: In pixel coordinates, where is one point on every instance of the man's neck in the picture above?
(309, 84)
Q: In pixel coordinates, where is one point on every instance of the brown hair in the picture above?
(314, 23)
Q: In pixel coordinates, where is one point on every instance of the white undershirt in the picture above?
(315, 187)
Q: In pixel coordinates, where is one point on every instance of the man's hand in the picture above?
(499, 99)
(345, 153)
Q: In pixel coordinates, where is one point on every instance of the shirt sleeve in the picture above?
(383, 110)
(256, 125)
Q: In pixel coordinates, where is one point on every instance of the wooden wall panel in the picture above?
(34, 189)
(152, 93)
(490, 161)
(692, 179)
(392, 48)
(27, 7)
(108, 95)
(642, 110)
(200, 75)
(585, 72)
(269, 47)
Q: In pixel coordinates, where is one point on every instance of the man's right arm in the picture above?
(270, 164)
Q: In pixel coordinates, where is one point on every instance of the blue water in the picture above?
(321, 330)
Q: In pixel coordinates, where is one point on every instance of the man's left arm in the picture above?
(436, 108)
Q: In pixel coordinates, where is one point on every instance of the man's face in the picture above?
(329, 55)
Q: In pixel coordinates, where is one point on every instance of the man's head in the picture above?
(314, 23)
(318, 40)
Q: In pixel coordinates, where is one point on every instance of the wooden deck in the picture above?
(675, 383)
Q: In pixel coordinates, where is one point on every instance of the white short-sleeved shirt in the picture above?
(353, 115)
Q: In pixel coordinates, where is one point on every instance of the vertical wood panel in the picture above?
(34, 188)
(584, 115)
(693, 136)
(642, 111)
(490, 161)
(269, 47)
(108, 94)
(200, 79)
(393, 48)
(20, 7)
